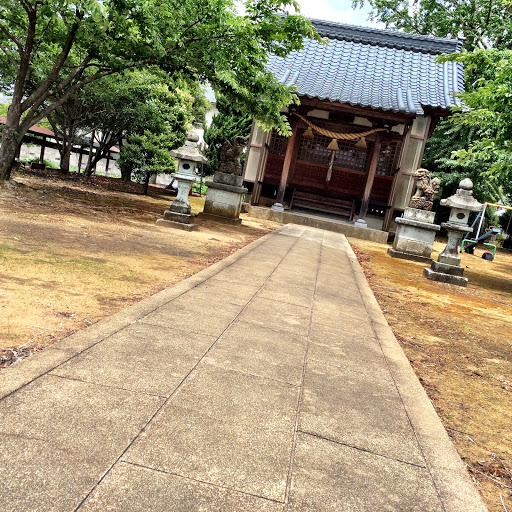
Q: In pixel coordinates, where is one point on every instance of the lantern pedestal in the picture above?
(178, 215)
(447, 268)
(415, 235)
(224, 198)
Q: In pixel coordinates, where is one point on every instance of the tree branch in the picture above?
(40, 94)
(10, 57)
(12, 37)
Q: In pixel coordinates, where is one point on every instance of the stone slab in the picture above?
(183, 218)
(287, 294)
(219, 218)
(315, 221)
(360, 408)
(334, 478)
(62, 436)
(144, 358)
(260, 351)
(130, 488)
(409, 256)
(277, 315)
(204, 317)
(454, 270)
(445, 278)
(241, 398)
(176, 225)
(217, 451)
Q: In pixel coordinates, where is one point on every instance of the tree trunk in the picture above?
(65, 158)
(146, 183)
(8, 146)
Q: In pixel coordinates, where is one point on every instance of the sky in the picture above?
(336, 10)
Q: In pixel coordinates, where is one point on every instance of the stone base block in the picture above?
(452, 261)
(360, 223)
(228, 179)
(445, 278)
(409, 256)
(218, 218)
(224, 200)
(419, 215)
(179, 207)
(453, 270)
(177, 225)
(183, 218)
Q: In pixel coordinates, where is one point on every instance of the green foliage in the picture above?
(487, 114)
(477, 145)
(197, 186)
(146, 154)
(53, 48)
(200, 106)
(153, 119)
(482, 23)
(227, 124)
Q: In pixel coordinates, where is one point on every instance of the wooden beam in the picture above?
(289, 158)
(358, 111)
(370, 177)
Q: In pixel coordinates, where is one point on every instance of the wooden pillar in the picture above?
(260, 174)
(289, 158)
(371, 175)
(389, 216)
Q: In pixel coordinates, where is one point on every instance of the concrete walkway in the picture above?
(268, 382)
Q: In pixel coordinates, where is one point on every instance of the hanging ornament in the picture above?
(329, 171)
(333, 146)
(308, 134)
(361, 143)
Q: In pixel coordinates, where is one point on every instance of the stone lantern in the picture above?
(447, 268)
(178, 215)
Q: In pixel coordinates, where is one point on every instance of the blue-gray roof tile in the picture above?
(379, 69)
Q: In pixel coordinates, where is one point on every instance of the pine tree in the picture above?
(226, 125)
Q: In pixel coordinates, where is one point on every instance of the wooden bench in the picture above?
(319, 203)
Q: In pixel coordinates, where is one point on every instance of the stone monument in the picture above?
(178, 215)
(416, 230)
(447, 268)
(225, 193)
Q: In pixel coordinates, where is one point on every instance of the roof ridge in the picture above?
(387, 37)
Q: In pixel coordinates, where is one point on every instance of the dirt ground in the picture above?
(459, 342)
(72, 253)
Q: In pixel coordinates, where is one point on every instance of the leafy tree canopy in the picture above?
(226, 125)
(53, 48)
(483, 23)
(487, 111)
(472, 143)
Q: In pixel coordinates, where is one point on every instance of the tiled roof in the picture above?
(380, 69)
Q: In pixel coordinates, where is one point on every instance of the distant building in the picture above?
(363, 80)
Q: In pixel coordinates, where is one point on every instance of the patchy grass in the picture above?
(73, 252)
(459, 342)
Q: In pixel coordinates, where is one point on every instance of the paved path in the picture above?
(268, 382)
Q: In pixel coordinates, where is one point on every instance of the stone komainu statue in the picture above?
(230, 156)
(426, 190)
